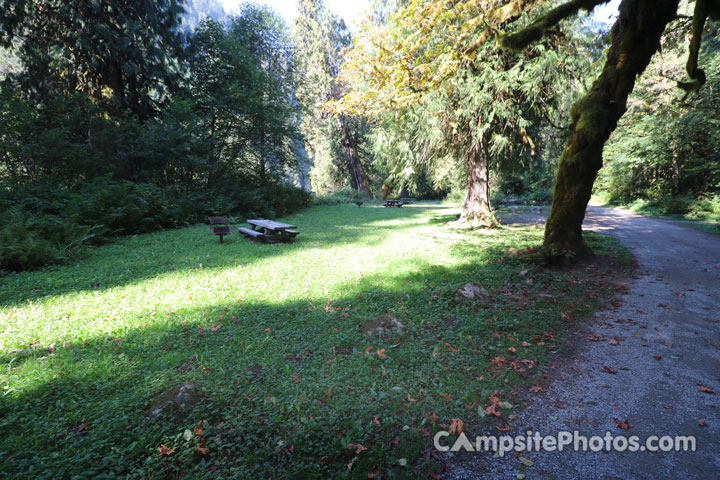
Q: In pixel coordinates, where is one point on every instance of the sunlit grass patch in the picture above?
(271, 336)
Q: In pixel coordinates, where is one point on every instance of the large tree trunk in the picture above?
(635, 38)
(476, 209)
(357, 178)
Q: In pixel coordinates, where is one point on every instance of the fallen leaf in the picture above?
(607, 369)
(492, 410)
(705, 389)
(381, 353)
(503, 429)
(357, 447)
(165, 450)
(526, 462)
(198, 430)
(657, 357)
(702, 423)
(623, 425)
(203, 449)
(431, 418)
(456, 426)
(411, 399)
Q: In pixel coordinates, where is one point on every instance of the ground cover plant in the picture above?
(269, 341)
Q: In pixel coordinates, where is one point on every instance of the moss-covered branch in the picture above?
(522, 38)
(496, 17)
(703, 10)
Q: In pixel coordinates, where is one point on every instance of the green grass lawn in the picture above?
(271, 336)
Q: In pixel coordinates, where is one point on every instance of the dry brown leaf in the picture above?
(705, 389)
(623, 425)
(165, 450)
(457, 426)
(357, 447)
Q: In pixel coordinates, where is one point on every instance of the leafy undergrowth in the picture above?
(271, 336)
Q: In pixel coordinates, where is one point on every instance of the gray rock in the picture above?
(183, 397)
(472, 294)
(383, 325)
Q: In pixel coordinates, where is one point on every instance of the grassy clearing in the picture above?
(271, 335)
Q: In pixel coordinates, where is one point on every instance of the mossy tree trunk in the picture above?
(476, 208)
(635, 38)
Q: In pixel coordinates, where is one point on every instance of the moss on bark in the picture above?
(635, 38)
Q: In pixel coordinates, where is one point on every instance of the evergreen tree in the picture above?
(123, 53)
(335, 142)
(241, 86)
(472, 108)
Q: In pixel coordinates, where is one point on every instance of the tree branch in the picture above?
(496, 17)
(698, 25)
(517, 41)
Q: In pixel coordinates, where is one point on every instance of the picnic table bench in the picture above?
(269, 231)
(219, 226)
(393, 203)
(408, 200)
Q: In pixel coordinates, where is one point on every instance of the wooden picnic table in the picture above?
(393, 203)
(269, 231)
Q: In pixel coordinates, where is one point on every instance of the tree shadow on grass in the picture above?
(145, 257)
(297, 374)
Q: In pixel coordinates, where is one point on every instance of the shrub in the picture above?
(28, 241)
(455, 197)
(705, 208)
(347, 195)
(45, 224)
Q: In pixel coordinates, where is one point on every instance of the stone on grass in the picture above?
(181, 398)
(382, 326)
(472, 294)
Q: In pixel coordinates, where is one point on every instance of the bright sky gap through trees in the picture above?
(350, 11)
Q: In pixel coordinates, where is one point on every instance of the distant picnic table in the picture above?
(393, 203)
(269, 231)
